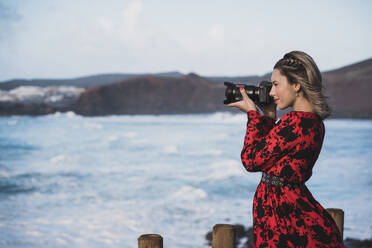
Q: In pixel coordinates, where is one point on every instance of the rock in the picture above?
(356, 243)
(244, 239)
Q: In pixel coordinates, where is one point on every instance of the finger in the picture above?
(244, 94)
(234, 104)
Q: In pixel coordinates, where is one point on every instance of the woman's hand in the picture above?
(244, 105)
(247, 104)
(269, 110)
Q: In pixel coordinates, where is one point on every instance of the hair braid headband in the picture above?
(292, 62)
(294, 65)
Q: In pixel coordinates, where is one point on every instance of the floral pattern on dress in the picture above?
(284, 216)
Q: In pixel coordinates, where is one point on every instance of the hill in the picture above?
(348, 89)
(152, 95)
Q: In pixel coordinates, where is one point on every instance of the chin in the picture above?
(282, 107)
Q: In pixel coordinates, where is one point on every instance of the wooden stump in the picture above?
(223, 236)
(150, 241)
(338, 216)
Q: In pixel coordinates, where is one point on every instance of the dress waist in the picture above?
(278, 181)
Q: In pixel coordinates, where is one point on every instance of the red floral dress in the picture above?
(285, 216)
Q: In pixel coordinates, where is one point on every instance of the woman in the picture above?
(285, 214)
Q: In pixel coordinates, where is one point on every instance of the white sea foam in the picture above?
(61, 241)
(68, 114)
(113, 138)
(129, 135)
(218, 117)
(71, 114)
(59, 159)
(3, 174)
(34, 233)
(12, 122)
(140, 142)
(225, 169)
(211, 152)
(348, 124)
(170, 149)
(189, 193)
(227, 117)
(56, 114)
(92, 125)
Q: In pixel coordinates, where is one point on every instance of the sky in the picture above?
(73, 38)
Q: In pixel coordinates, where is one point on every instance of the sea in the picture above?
(73, 181)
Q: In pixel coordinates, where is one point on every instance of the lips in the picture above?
(276, 100)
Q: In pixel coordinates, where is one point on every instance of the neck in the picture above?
(302, 104)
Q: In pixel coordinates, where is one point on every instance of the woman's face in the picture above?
(284, 94)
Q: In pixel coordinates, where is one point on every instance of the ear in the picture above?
(297, 87)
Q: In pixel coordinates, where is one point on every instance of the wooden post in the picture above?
(338, 216)
(223, 236)
(150, 241)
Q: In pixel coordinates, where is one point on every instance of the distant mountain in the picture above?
(82, 82)
(348, 89)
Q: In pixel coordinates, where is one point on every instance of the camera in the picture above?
(259, 95)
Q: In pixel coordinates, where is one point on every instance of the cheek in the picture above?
(278, 91)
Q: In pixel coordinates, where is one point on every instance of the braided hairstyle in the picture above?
(299, 67)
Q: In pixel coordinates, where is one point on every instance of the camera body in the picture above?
(259, 94)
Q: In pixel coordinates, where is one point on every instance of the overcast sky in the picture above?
(71, 38)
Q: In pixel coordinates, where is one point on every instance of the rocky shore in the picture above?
(244, 239)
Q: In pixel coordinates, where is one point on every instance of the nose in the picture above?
(272, 93)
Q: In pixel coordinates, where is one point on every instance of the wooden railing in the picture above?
(223, 235)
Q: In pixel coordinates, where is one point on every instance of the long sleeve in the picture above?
(285, 216)
(265, 142)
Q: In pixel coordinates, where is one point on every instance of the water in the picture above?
(67, 180)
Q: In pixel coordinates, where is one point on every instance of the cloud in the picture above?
(106, 24)
(217, 33)
(127, 29)
(8, 18)
(8, 14)
(131, 15)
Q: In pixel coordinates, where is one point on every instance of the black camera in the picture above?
(259, 95)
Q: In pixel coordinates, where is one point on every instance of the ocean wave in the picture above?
(211, 152)
(59, 159)
(12, 122)
(189, 193)
(335, 124)
(129, 134)
(216, 117)
(132, 176)
(225, 169)
(9, 188)
(227, 117)
(170, 149)
(92, 125)
(67, 114)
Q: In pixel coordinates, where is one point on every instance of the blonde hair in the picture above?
(299, 67)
